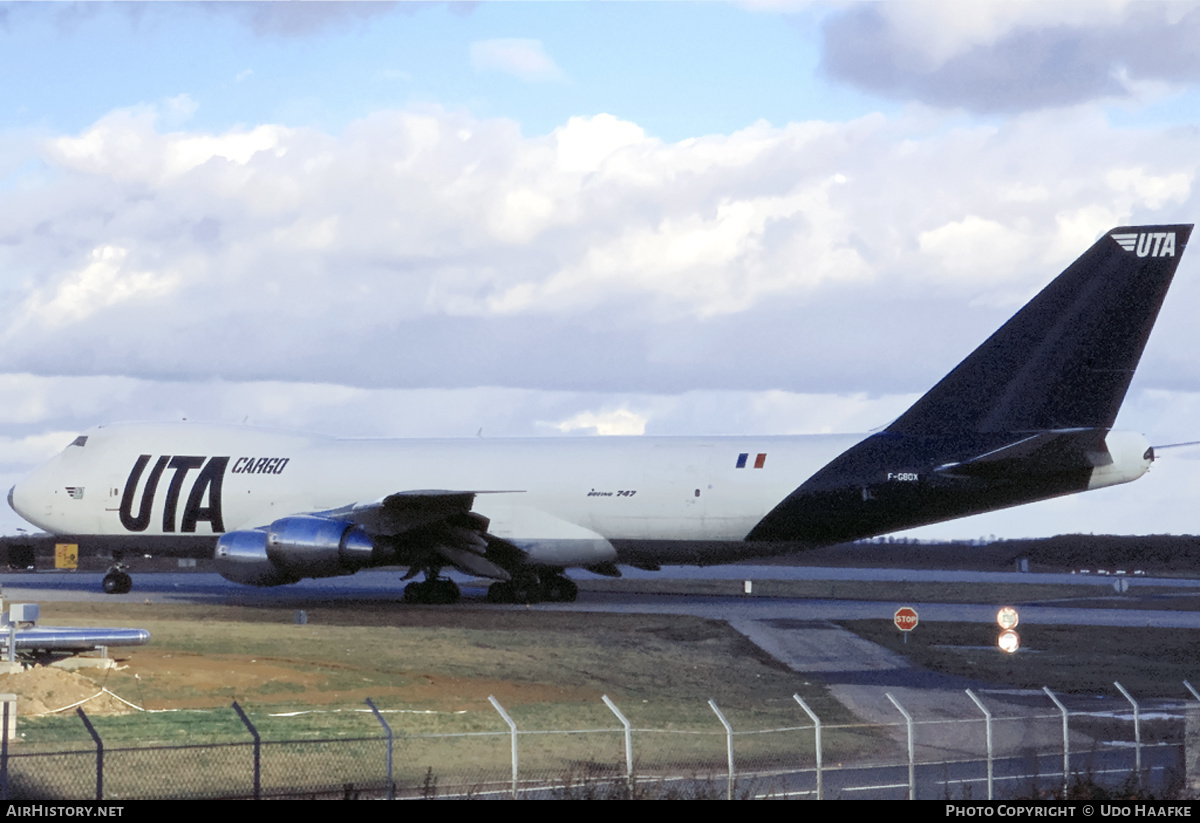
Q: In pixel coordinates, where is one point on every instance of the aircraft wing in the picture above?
(405, 511)
(422, 523)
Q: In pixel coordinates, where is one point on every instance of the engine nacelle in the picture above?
(292, 549)
(242, 558)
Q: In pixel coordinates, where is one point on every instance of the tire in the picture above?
(525, 591)
(414, 592)
(432, 592)
(559, 589)
(500, 593)
(445, 592)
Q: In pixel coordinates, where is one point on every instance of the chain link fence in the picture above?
(1021, 745)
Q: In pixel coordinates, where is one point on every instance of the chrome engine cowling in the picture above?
(291, 549)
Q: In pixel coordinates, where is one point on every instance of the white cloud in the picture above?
(58, 404)
(103, 282)
(709, 263)
(1155, 190)
(34, 449)
(974, 247)
(433, 249)
(126, 146)
(522, 58)
(585, 143)
(180, 108)
(614, 422)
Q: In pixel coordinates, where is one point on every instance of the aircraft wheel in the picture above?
(445, 591)
(525, 589)
(559, 589)
(117, 583)
(432, 592)
(500, 593)
(414, 592)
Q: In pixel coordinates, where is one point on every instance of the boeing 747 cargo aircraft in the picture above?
(1025, 417)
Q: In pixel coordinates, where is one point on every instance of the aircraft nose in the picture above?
(24, 498)
(15, 495)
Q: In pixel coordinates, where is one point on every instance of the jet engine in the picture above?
(291, 549)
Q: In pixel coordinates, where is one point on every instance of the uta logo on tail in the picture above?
(1148, 243)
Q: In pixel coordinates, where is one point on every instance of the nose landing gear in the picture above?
(117, 581)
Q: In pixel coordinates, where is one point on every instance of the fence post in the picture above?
(388, 730)
(1190, 737)
(512, 727)
(987, 716)
(4, 749)
(628, 742)
(728, 747)
(257, 750)
(817, 723)
(1066, 739)
(912, 771)
(1137, 730)
(99, 752)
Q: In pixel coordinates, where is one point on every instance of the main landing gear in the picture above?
(432, 591)
(528, 587)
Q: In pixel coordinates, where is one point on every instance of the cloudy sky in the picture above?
(577, 219)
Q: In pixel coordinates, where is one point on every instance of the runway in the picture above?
(201, 587)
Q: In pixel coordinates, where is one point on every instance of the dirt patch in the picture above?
(211, 680)
(43, 690)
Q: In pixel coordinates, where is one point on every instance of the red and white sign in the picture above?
(906, 618)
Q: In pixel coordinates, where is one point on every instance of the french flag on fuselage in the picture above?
(759, 461)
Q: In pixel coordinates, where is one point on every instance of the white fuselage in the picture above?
(627, 488)
(561, 501)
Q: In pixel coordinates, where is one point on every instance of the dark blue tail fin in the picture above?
(1066, 359)
(1025, 417)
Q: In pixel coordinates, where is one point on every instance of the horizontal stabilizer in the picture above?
(1043, 453)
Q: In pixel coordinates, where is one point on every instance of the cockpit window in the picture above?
(81, 440)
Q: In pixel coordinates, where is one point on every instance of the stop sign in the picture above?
(906, 618)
